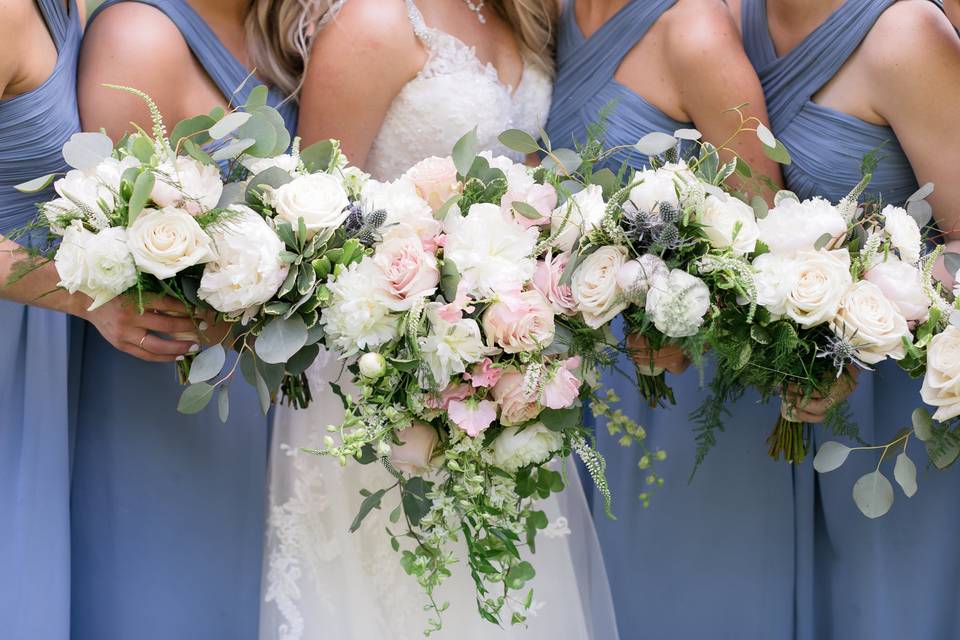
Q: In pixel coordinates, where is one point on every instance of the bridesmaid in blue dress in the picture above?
(168, 509)
(840, 82)
(713, 558)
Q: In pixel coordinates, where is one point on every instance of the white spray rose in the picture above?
(678, 305)
(729, 223)
(166, 241)
(775, 277)
(823, 277)
(904, 233)
(318, 198)
(871, 323)
(580, 214)
(594, 285)
(358, 317)
(516, 448)
(247, 271)
(96, 264)
(902, 284)
(795, 226)
(941, 383)
(450, 346)
(188, 184)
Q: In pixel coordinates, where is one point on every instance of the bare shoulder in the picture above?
(699, 32)
(135, 34)
(912, 42)
(381, 24)
(15, 28)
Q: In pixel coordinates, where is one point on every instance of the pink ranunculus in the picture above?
(453, 312)
(546, 280)
(435, 179)
(563, 388)
(472, 416)
(414, 454)
(409, 272)
(524, 324)
(516, 406)
(453, 391)
(541, 197)
(901, 284)
(484, 374)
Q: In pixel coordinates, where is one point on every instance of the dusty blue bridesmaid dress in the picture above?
(713, 558)
(168, 510)
(35, 385)
(896, 577)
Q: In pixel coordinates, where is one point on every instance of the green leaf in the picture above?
(655, 143)
(830, 456)
(415, 502)
(464, 151)
(195, 397)
(519, 575)
(232, 150)
(743, 168)
(37, 184)
(281, 339)
(306, 279)
(142, 189)
(526, 210)
(257, 98)
(951, 262)
(302, 360)
(562, 161)
(142, 149)
(207, 364)
(193, 128)
(449, 279)
(823, 241)
(783, 195)
(873, 494)
(197, 153)
(272, 116)
(766, 136)
(274, 177)
(607, 180)
(369, 503)
(905, 473)
(922, 424)
(259, 128)
(318, 156)
(760, 208)
(561, 419)
(778, 154)
(263, 392)
(233, 193)
(272, 375)
(217, 113)
(943, 454)
(228, 124)
(519, 140)
(223, 403)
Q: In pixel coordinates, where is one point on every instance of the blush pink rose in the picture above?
(523, 323)
(484, 374)
(541, 197)
(416, 451)
(472, 416)
(563, 388)
(453, 391)
(901, 284)
(435, 179)
(516, 407)
(409, 272)
(546, 280)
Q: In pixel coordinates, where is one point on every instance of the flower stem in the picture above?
(655, 389)
(789, 440)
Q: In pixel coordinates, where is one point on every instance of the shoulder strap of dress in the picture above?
(232, 78)
(756, 32)
(56, 15)
(426, 34)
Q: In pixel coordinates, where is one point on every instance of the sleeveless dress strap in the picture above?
(57, 17)
(791, 80)
(425, 33)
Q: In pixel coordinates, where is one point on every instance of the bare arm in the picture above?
(358, 64)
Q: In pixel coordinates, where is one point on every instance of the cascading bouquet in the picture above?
(471, 359)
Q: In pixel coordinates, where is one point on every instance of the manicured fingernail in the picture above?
(194, 348)
(203, 325)
(180, 358)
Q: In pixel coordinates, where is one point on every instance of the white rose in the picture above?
(84, 191)
(258, 165)
(904, 233)
(941, 383)
(594, 285)
(187, 183)
(493, 252)
(580, 214)
(516, 448)
(822, 279)
(902, 284)
(357, 317)
(110, 171)
(678, 305)
(166, 241)
(96, 264)
(868, 320)
(775, 277)
(318, 198)
(450, 346)
(795, 226)
(406, 210)
(636, 277)
(729, 223)
(247, 271)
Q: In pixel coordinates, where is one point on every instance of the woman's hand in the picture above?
(814, 409)
(124, 327)
(651, 362)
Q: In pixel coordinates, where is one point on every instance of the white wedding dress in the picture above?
(322, 582)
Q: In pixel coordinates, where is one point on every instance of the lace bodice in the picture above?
(453, 93)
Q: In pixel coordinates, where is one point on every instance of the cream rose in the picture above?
(580, 214)
(941, 383)
(730, 224)
(594, 285)
(795, 226)
(413, 455)
(871, 323)
(904, 233)
(521, 324)
(678, 305)
(166, 241)
(822, 279)
(435, 179)
(408, 273)
(902, 284)
(516, 448)
(318, 198)
(516, 405)
(188, 184)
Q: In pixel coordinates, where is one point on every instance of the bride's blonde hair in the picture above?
(279, 34)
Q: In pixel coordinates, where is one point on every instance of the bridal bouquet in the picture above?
(473, 344)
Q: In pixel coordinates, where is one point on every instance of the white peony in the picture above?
(580, 214)
(96, 264)
(941, 383)
(871, 323)
(730, 224)
(450, 346)
(678, 305)
(247, 271)
(318, 198)
(636, 277)
(187, 183)
(406, 210)
(904, 233)
(166, 241)
(493, 252)
(902, 284)
(110, 171)
(594, 285)
(84, 191)
(258, 165)
(822, 279)
(357, 317)
(775, 276)
(518, 447)
(795, 226)
(660, 189)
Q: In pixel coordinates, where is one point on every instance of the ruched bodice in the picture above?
(35, 125)
(585, 82)
(827, 146)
